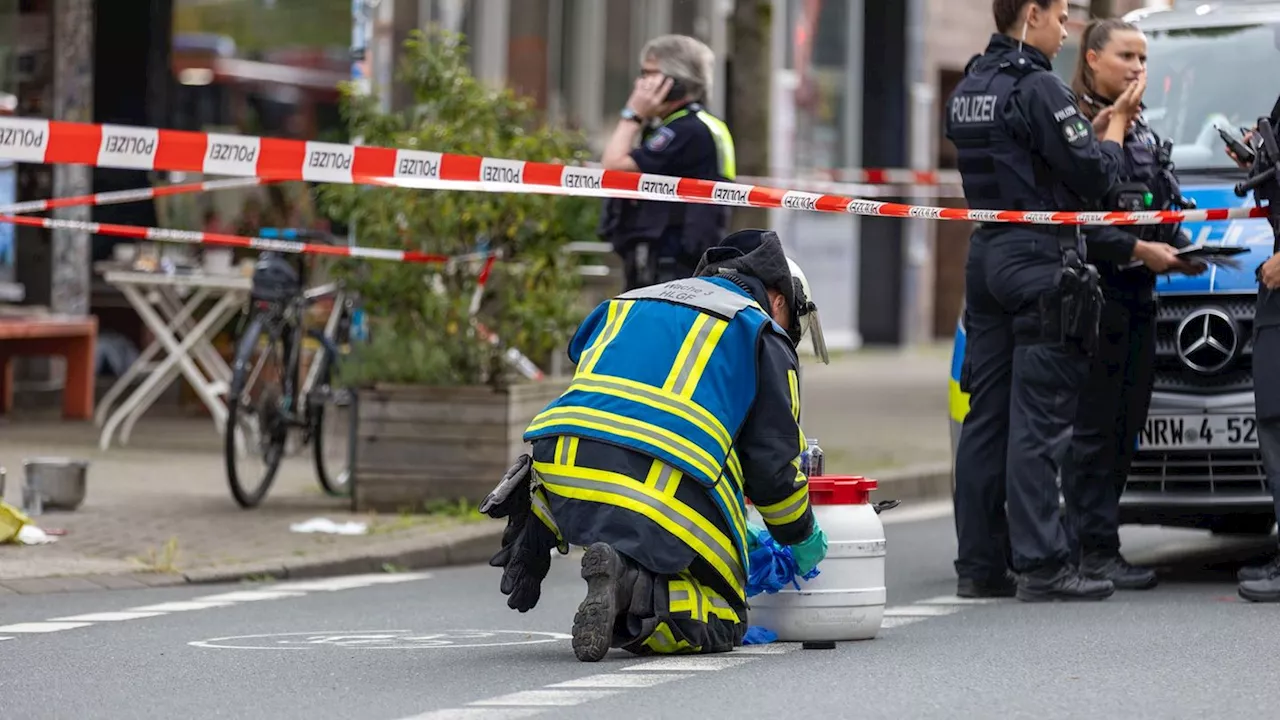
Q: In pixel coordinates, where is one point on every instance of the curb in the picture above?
(913, 484)
(467, 545)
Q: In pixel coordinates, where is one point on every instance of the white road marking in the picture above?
(620, 680)
(7, 638)
(182, 606)
(479, 713)
(42, 627)
(207, 602)
(250, 596)
(773, 648)
(690, 663)
(109, 616)
(348, 582)
(893, 622)
(549, 698)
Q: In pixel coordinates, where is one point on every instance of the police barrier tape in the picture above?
(119, 146)
(117, 197)
(196, 238)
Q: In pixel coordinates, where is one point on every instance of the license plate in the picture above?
(1198, 432)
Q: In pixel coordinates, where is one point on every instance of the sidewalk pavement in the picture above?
(159, 512)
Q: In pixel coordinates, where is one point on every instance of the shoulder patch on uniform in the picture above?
(1076, 131)
(660, 139)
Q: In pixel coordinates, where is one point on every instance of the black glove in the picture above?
(526, 543)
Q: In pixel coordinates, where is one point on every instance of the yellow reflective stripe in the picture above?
(793, 385)
(683, 408)
(724, 144)
(680, 594)
(787, 511)
(957, 401)
(707, 346)
(567, 450)
(542, 510)
(720, 607)
(668, 513)
(617, 314)
(675, 116)
(730, 500)
(662, 438)
(662, 641)
(663, 478)
(687, 354)
(735, 468)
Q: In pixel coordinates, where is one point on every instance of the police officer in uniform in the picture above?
(1117, 394)
(1261, 583)
(658, 240)
(1031, 302)
(685, 401)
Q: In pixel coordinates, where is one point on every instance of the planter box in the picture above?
(416, 444)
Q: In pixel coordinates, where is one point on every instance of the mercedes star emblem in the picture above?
(1207, 340)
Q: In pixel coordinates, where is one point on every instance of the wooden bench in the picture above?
(71, 337)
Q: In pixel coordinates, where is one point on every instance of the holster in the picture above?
(1072, 311)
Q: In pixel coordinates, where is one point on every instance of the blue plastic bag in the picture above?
(773, 567)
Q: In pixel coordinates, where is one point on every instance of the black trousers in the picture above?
(643, 266)
(1266, 394)
(1112, 410)
(1023, 394)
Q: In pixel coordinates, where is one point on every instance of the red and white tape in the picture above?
(118, 197)
(198, 238)
(118, 146)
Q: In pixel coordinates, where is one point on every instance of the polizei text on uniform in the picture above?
(973, 108)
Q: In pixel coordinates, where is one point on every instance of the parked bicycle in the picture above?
(266, 399)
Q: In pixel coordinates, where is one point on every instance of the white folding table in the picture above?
(184, 338)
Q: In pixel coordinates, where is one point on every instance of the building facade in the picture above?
(856, 83)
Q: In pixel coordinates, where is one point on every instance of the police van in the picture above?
(1198, 465)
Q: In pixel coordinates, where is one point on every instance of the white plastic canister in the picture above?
(846, 600)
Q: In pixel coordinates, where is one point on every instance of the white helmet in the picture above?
(806, 312)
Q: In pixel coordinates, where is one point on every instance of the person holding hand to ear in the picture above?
(1117, 392)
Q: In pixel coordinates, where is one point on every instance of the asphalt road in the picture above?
(443, 645)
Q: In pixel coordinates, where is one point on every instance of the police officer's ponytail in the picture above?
(1006, 12)
(1095, 37)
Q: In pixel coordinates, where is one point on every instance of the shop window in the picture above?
(819, 56)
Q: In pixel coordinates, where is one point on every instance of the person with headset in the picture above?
(665, 129)
(1031, 301)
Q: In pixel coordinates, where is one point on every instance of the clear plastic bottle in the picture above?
(812, 461)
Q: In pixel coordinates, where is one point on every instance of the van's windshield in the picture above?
(1205, 77)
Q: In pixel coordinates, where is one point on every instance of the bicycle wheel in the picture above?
(256, 426)
(330, 421)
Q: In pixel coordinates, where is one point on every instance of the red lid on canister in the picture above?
(840, 489)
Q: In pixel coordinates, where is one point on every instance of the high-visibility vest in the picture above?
(670, 371)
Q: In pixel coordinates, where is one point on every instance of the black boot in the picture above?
(1263, 584)
(999, 587)
(1259, 572)
(1112, 566)
(609, 583)
(1061, 582)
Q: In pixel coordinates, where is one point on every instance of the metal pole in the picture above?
(916, 291)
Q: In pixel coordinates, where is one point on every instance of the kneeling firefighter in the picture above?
(684, 402)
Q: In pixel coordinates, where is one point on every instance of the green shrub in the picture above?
(419, 335)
